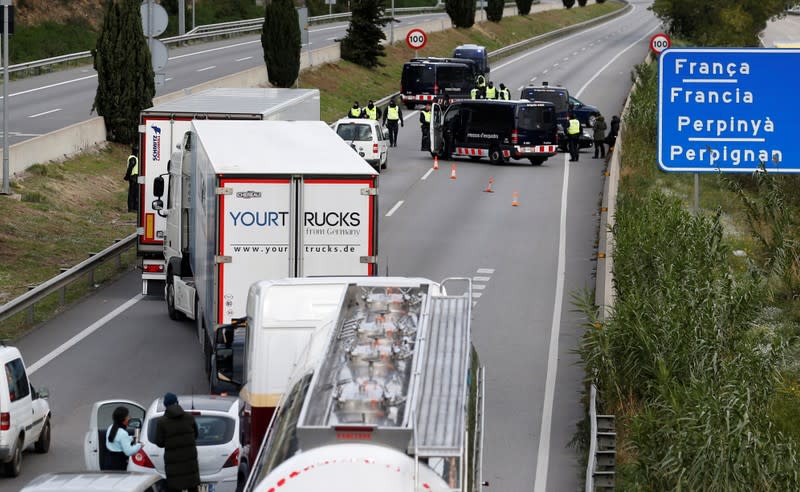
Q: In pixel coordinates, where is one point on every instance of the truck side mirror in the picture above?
(158, 186)
(158, 205)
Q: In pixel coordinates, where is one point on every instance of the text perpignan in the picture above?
(735, 156)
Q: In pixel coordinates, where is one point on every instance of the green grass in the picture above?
(50, 39)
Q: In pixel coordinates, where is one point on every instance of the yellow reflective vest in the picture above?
(427, 115)
(372, 114)
(491, 93)
(393, 113)
(355, 112)
(574, 127)
(505, 94)
(135, 168)
(473, 94)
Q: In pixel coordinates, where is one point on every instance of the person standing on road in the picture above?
(613, 132)
(491, 91)
(118, 442)
(504, 93)
(371, 112)
(132, 177)
(392, 117)
(425, 127)
(176, 432)
(599, 128)
(573, 138)
(355, 111)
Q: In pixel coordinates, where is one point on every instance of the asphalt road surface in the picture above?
(526, 262)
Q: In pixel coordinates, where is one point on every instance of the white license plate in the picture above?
(206, 487)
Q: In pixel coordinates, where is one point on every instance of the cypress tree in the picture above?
(280, 40)
(461, 12)
(600, 1)
(524, 6)
(494, 10)
(568, 3)
(125, 84)
(362, 44)
(582, 3)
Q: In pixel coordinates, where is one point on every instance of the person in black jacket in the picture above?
(176, 432)
(132, 177)
(611, 139)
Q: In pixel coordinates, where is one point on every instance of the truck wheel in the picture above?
(14, 467)
(43, 443)
(537, 161)
(496, 156)
(174, 314)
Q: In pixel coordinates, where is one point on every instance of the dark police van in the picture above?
(426, 80)
(499, 130)
(564, 103)
(476, 53)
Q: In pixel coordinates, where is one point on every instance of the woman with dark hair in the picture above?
(118, 442)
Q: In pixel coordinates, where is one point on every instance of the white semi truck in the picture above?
(253, 200)
(162, 127)
(358, 385)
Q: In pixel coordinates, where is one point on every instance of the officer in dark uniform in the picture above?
(132, 177)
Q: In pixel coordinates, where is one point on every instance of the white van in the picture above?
(24, 413)
(366, 137)
(90, 481)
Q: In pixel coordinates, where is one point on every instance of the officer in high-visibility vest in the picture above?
(132, 177)
(371, 112)
(573, 137)
(392, 118)
(480, 83)
(355, 111)
(425, 126)
(475, 93)
(504, 93)
(491, 91)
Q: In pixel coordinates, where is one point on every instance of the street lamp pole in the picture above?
(391, 26)
(6, 150)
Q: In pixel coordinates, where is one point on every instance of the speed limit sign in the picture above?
(416, 39)
(659, 43)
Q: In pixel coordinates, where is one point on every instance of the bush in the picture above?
(280, 39)
(461, 12)
(362, 44)
(582, 3)
(494, 10)
(524, 6)
(568, 3)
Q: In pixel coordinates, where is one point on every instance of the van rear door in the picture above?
(437, 137)
(536, 124)
(417, 78)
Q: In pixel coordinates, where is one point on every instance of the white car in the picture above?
(24, 413)
(218, 448)
(367, 137)
(110, 481)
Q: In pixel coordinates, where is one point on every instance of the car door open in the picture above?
(100, 418)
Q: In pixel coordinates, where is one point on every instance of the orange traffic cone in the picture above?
(489, 186)
(514, 199)
(436, 162)
(452, 171)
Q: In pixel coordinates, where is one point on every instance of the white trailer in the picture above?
(253, 200)
(162, 128)
(375, 378)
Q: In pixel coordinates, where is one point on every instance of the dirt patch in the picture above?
(35, 12)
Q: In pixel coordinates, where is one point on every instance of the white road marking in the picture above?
(167, 79)
(521, 87)
(333, 38)
(555, 64)
(486, 270)
(306, 44)
(79, 79)
(567, 58)
(583, 49)
(425, 176)
(211, 50)
(478, 286)
(83, 334)
(44, 113)
(481, 279)
(405, 118)
(394, 209)
(243, 59)
(543, 456)
(476, 295)
(544, 72)
(207, 68)
(20, 134)
(328, 28)
(533, 79)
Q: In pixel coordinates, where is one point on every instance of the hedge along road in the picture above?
(442, 228)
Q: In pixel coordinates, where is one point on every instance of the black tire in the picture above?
(43, 443)
(174, 314)
(475, 157)
(410, 105)
(14, 467)
(385, 164)
(496, 156)
(537, 161)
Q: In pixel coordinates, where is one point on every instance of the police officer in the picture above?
(491, 91)
(132, 177)
(475, 93)
(371, 112)
(392, 117)
(504, 93)
(355, 111)
(425, 126)
(480, 83)
(573, 137)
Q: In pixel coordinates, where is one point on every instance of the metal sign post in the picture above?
(391, 26)
(302, 18)
(6, 150)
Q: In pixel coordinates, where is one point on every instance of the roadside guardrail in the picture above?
(60, 282)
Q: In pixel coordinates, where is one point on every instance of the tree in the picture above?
(524, 6)
(494, 10)
(125, 80)
(582, 3)
(600, 1)
(280, 40)
(719, 22)
(461, 12)
(362, 44)
(568, 3)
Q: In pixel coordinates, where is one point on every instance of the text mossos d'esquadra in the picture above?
(726, 139)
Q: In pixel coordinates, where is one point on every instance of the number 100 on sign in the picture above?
(416, 39)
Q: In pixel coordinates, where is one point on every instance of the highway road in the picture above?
(526, 262)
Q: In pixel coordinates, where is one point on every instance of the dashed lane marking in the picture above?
(243, 59)
(394, 209)
(44, 113)
(425, 176)
(481, 279)
(207, 68)
(486, 270)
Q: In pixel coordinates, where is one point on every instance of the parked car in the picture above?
(109, 481)
(24, 413)
(218, 446)
(367, 137)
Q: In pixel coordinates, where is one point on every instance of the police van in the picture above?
(564, 103)
(476, 53)
(426, 80)
(496, 129)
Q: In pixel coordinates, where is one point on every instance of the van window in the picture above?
(212, 430)
(354, 131)
(557, 97)
(18, 386)
(494, 118)
(418, 77)
(453, 76)
(533, 118)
